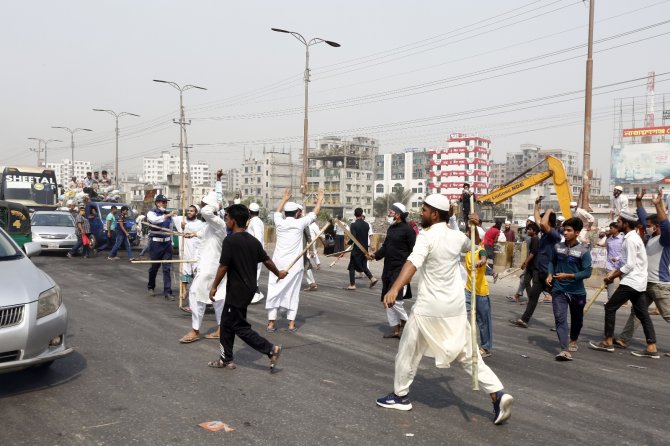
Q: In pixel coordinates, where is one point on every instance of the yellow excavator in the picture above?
(555, 171)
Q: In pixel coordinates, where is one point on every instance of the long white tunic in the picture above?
(440, 306)
(191, 245)
(257, 229)
(286, 293)
(211, 237)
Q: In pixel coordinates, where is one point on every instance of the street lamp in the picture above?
(307, 44)
(45, 142)
(182, 140)
(72, 132)
(116, 117)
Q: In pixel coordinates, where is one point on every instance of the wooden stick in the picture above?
(341, 256)
(352, 238)
(306, 248)
(167, 231)
(473, 301)
(339, 253)
(593, 299)
(509, 273)
(163, 261)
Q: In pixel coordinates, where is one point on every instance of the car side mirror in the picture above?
(32, 249)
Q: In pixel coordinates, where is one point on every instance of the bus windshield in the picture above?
(34, 187)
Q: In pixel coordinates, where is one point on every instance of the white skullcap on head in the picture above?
(573, 204)
(507, 222)
(398, 207)
(560, 218)
(291, 207)
(300, 207)
(531, 218)
(254, 207)
(210, 199)
(69, 202)
(438, 201)
(619, 188)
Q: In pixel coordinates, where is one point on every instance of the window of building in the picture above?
(258, 168)
(379, 189)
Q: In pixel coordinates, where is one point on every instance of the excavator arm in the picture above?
(556, 172)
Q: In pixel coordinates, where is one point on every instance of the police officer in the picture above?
(161, 244)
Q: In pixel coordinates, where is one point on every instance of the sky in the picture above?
(407, 73)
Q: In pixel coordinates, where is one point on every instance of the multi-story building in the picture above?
(63, 170)
(231, 180)
(498, 175)
(466, 159)
(264, 178)
(345, 170)
(157, 169)
(407, 170)
(200, 174)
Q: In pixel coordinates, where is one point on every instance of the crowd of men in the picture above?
(223, 252)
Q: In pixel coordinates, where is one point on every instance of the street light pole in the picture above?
(45, 142)
(72, 132)
(116, 119)
(307, 43)
(182, 135)
(587, 173)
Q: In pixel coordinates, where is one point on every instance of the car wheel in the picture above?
(94, 242)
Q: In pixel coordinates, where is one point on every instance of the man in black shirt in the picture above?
(240, 254)
(358, 260)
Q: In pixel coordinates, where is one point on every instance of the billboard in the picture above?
(647, 131)
(640, 163)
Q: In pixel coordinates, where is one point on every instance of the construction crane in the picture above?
(555, 171)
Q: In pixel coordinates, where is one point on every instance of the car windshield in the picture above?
(8, 250)
(62, 220)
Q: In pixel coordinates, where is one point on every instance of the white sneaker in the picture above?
(257, 298)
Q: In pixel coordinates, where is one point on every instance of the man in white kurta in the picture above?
(438, 325)
(285, 294)
(256, 227)
(190, 224)
(211, 238)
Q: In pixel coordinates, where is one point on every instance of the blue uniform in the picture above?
(160, 249)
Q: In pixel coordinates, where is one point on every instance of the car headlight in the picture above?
(35, 236)
(49, 302)
(72, 236)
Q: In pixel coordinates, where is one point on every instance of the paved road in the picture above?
(131, 382)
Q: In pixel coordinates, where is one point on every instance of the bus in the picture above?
(33, 187)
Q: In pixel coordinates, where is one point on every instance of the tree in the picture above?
(382, 204)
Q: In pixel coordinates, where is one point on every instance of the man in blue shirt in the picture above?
(545, 253)
(658, 261)
(569, 266)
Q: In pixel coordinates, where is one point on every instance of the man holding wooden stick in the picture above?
(285, 294)
(359, 256)
(161, 245)
(438, 325)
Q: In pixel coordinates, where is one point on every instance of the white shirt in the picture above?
(313, 232)
(436, 256)
(620, 204)
(257, 229)
(634, 258)
(586, 217)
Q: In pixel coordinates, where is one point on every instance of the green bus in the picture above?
(15, 220)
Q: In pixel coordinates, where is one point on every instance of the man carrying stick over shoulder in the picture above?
(240, 254)
(285, 294)
(438, 325)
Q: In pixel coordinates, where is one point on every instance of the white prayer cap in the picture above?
(560, 218)
(291, 207)
(300, 207)
(399, 208)
(69, 202)
(254, 207)
(573, 204)
(507, 222)
(210, 199)
(531, 218)
(197, 208)
(438, 201)
(619, 188)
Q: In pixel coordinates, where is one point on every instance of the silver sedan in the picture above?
(33, 318)
(53, 230)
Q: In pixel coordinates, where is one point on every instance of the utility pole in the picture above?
(72, 132)
(116, 158)
(38, 151)
(45, 142)
(587, 172)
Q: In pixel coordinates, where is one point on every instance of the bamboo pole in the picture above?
(162, 261)
(351, 237)
(473, 301)
(593, 299)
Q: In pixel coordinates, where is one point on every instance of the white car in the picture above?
(33, 318)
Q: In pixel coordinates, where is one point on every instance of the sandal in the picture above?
(271, 329)
(373, 282)
(292, 330)
(601, 346)
(573, 347)
(350, 288)
(274, 357)
(221, 364)
(188, 338)
(212, 335)
(391, 336)
(563, 356)
(512, 298)
(620, 343)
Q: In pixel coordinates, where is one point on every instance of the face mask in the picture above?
(650, 231)
(390, 220)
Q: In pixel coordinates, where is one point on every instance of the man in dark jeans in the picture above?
(634, 275)
(545, 252)
(568, 268)
(240, 254)
(358, 260)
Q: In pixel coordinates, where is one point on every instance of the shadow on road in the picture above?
(36, 378)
